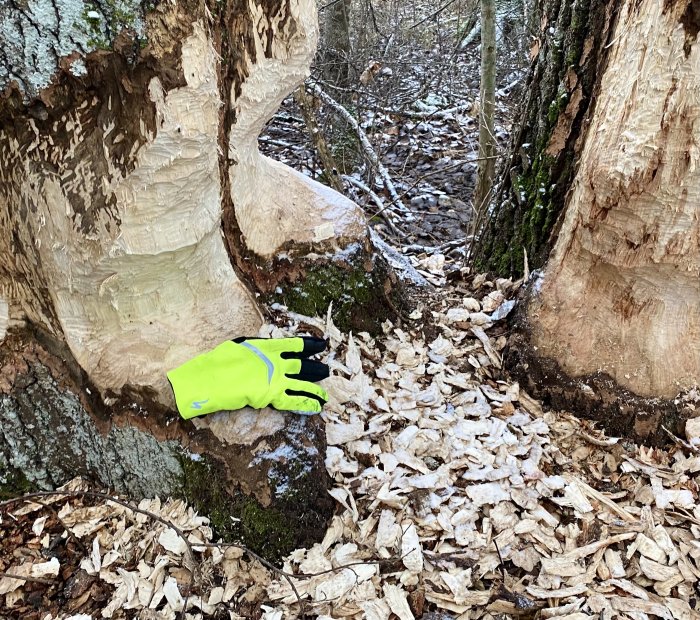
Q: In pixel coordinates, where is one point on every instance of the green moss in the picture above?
(13, 484)
(358, 298)
(576, 33)
(103, 21)
(266, 530)
(237, 517)
(207, 498)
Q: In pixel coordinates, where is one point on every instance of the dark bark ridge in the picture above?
(38, 133)
(559, 97)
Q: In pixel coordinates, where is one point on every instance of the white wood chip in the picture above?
(38, 526)
(171, 542)
(692, 431)
(172, 594)
(630, 588)
(562, 566)
(46, 569)
(339, 433)
(335, 586)
(562, 610)
(680, 609)
(635, 605)
(656, 571)
(613, 560)
(649, 549)
(489, 493)
(486, 343)
(352, 357)
(396, 599)
(375, 610)
(411, 550)
(544, 593)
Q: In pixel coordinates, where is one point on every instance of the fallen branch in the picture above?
(427, 115)
(376, 199)
(368, 149)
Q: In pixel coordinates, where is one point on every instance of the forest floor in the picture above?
(423, 126)
(457, 495)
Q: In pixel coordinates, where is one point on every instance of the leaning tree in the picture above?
(601, 190)
(139, 226)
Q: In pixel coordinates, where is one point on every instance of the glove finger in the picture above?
(308, 389)
(298, 401)
(311, 370)
(309, 346)
(290, 366)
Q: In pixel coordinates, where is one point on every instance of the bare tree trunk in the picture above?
(487, 104)
(621, 292)
(569, 54)
(127, 139)
(336, 58)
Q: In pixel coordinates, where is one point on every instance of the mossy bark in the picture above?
(362, 288)
(269, 491)
(560, 94)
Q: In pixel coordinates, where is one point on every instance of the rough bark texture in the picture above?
(138, 225)
(487, 104)
(621, 292)
(569, 56)
(611, 328)
(337, 46)
(263, 468)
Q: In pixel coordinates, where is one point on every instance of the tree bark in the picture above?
(613, 319)
(569, 54)
(337, 45)
(487, 105)
(139, 225)
(621, 291)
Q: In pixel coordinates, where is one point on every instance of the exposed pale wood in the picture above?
(111, 215)
(148, 283)
(621, 292)
(274, 204)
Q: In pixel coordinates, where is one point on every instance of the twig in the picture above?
(425, 115)
(500, 557)
(155, 517)
(76, 540)
(48, 582)
(366, 147)
(326, 6)
(106, 497)
(317, 138)
(377, 200)
(678, 441)
(433, 14)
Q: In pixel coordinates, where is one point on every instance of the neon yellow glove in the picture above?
(255, 372)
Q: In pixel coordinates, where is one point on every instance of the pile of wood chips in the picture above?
(458, 498)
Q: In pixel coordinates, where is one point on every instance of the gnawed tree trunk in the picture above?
(618, 303)
(138, 225)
